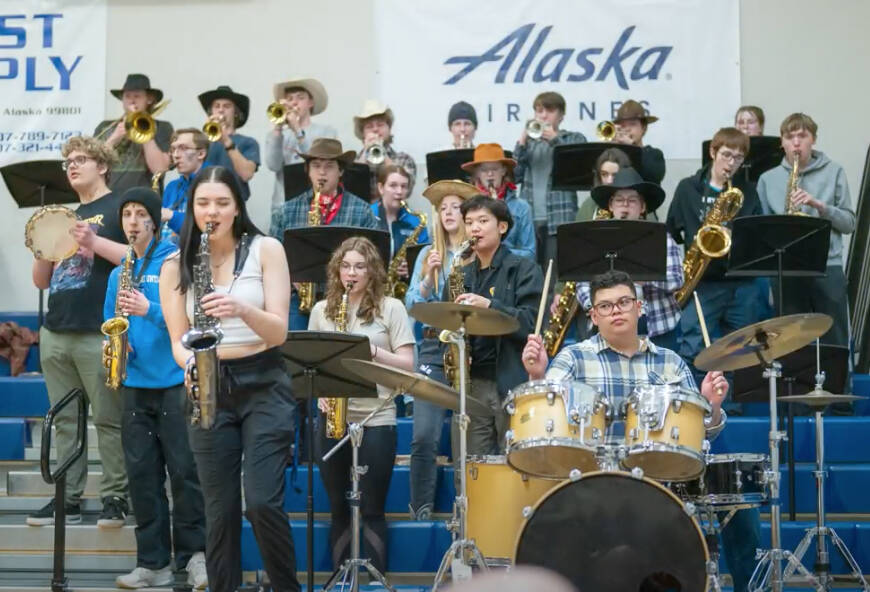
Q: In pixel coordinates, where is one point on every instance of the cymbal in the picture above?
(763, 342)
(478, 321)
(819, 398)
(415, 384)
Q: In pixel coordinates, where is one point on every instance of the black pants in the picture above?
(824, 295)
(154, 438)
(378, 453)
(251, 437)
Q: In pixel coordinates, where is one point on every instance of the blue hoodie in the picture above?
(150, 364)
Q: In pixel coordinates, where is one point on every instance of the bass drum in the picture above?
(613, 532)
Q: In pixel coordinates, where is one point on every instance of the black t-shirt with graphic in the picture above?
(132, 170)
(78, 283)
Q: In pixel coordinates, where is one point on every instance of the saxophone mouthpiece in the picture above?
(209, 227)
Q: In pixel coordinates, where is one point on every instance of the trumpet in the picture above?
(376, 153)
(464, 142)
(212, 129)
(606, 131)
(141, 127)
(535, 128)
(277, 113)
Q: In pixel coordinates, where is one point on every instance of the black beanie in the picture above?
(146, 197)
(461, 110)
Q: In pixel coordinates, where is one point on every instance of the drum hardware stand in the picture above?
(768, 573)
(349, 569)
(463, 552)
(711, 535)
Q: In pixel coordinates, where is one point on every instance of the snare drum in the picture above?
(47, 233)
(730, 480)
(554, 427)
(664, 432)
(496, 497)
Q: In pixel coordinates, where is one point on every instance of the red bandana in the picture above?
(501, 191)
(329, 206)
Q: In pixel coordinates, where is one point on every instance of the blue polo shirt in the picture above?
(248, 146)
(175, 199)
(401, 229)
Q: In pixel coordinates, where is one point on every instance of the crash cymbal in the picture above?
(763, 342)
(415, 384)
(819, 398)
(478, 321)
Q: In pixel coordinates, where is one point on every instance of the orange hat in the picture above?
(489, 153)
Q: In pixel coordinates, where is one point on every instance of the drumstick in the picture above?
(703, 324)
(543, 304)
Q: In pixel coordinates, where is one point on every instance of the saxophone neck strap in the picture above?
(138, 277)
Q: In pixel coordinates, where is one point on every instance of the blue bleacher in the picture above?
(14, 438)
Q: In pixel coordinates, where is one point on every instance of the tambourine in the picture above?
(47, 233)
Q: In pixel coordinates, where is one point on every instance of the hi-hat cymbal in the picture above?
(478, 321)
(819, 398)
(415, 384)
(763, 342)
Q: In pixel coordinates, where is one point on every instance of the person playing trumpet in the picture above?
(632, 122)
(462, 124)
(188, 148)
(136, 162)
(301, 98)
(374, 126)
(230, 149)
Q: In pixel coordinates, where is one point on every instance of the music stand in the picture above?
(765, 153)
(355, 179)
(310, 248)
(446, 165)
(587, 249)
(36, 183)
(313, 360)
(574, 164)
(780, 246)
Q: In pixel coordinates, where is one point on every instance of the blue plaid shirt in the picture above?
(659, 305)
(354, 211)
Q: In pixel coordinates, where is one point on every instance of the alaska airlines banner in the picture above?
(679, 58)
(52, 74)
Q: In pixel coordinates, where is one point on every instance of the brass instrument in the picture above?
(202, 339)
(307, 291)
(713, 240)
(535, 128)
(490, 186)
(157, 177)
(376, 153)
(791, 208)
(276, 112)
(212, 129)
(116, 328)
(141, 127)
(455, 287)
(464, 142)
(606, 131)
(395, 286)
(336, 407)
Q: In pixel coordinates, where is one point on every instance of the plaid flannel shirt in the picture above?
(561, 205)
(293, 213)
(403, 159)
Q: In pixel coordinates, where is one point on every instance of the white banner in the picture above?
(680, 58)
(52, 74)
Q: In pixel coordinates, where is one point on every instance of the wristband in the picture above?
(232, 146)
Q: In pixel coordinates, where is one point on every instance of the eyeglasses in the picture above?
(731, 157)
(75, 162)
(624, 304)
(182, 149)
(625, 201)
(359, 267)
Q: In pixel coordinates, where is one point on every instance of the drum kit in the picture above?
(614, 513)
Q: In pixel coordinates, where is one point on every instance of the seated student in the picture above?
(632, 121)
(610, 162)
(491, 172)
(187, 148)
(462, 124)
(749, 119)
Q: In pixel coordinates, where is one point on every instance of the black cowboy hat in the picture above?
(628, 178)
(242, 102)
(137, 82)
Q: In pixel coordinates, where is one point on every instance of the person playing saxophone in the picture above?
(153, 428)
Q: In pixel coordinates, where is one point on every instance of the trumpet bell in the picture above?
(140, 127)
(534, 129)
(606, 131)
(375, 154)
(212, 130)
(276, 113)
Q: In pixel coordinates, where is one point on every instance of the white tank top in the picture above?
(248, 288)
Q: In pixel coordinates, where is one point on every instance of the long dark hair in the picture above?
(188, 239)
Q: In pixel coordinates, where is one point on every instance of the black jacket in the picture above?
(652, 165)
(689, 208)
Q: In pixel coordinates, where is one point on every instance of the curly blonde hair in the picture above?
(94, 148)
(370, 306)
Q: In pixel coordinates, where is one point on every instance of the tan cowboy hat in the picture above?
(631, 109)
(489, 153)
(311, 86)
(328, 149)
(371, 108)
(441, 189)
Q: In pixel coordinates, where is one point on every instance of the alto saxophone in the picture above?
(202, 339)
(116, 328)
(336, 407)
(307, 291)
(396, 287)
(791, 208)
(455, 287)
(713, 240)
(490, 187)
(567, 307)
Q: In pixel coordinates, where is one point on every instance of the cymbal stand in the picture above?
(463, 552)
(707, 517)
(768, 574)
(822, 567)
(349, 569)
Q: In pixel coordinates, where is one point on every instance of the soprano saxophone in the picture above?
(307, 291)
(397, 287)
(202, 339)
(791, 208)
(116, 329)
(455, 287)
(336, 407)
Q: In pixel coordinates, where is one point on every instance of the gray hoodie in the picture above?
(826, 181)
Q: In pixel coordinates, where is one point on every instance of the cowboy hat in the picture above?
(137, 82)
(628, 178)
(242, 102)
(371, 108)
(631, 109)
(328, 149)
(309, 85)
(441, 189)
(489, 153)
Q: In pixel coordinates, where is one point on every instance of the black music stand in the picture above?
(587, 249)
(446, 165)
(309, 248)
(780, 246)
(574, 164)
(313, 360)
(36, 183)
(356, 179)
(765, 152)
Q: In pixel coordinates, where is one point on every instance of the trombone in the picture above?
(212, 129)
(140, 126)
(606, 131)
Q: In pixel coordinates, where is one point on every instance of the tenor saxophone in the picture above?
(202, 339)
(307, 291)
(117, 328)
(396, 287)
(336, 407)
(455, 287)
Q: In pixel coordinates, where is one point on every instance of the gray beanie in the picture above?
(461, 110)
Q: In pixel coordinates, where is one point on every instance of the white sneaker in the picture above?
(197, 577)
(142, 577)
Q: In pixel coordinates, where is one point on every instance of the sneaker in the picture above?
(45, 515)
(197, 578)
(114, 513)
(142, 577)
